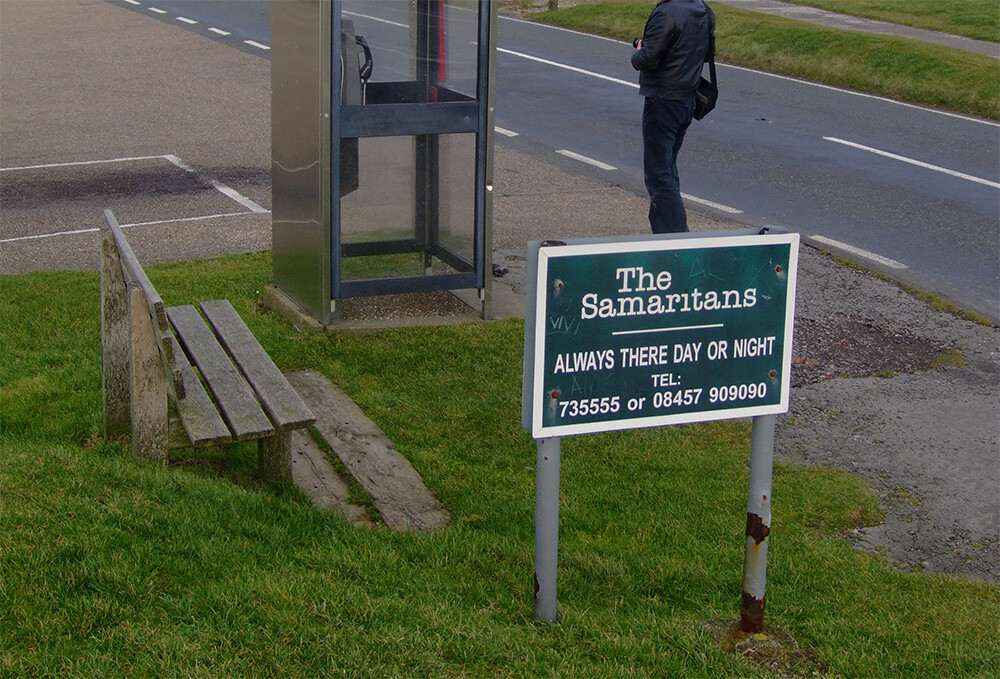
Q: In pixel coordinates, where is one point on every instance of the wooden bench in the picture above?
(152, 393)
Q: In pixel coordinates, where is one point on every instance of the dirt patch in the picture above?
(411, 305)
(774, 649)
(849, 346)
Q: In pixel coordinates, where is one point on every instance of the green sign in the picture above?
(665, 331)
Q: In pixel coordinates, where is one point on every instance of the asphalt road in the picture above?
(906, 190)
(783, 152)
(909, 191)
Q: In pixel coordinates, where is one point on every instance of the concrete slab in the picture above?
(396, 488)
(319, 481)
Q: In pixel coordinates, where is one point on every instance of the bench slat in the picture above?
(233, 395)
(282, 403)
(202, 422)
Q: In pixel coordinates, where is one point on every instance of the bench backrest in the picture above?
(134, 276)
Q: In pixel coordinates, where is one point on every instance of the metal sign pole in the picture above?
(758, 524)
(546, 527)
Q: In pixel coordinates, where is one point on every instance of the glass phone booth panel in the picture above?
(404, 146)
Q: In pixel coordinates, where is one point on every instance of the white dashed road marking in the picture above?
(584, 159)
(918, 163)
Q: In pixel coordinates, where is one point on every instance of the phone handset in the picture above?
(354, 75)
(365, 72)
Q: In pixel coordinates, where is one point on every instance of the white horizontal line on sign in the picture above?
(585, 159)
(891, 263)
(652, 330)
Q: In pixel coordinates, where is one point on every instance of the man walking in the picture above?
(669, 58)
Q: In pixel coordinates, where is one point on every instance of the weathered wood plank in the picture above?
(281, 402)
(133, 273)
(396, 488)
(315, 476)
(147, 382)
(115, 340)
(202, 422)
(235, 398)
(274, 457)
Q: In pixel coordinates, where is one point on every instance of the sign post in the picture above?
(546, 528)
(654, 331)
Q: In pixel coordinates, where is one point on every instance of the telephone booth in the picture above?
(381, 148)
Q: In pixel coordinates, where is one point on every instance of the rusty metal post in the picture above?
(546, 527)
(758, 524)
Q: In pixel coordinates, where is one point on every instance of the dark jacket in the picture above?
(675, 43)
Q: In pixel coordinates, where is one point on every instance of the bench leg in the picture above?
(274, 457)
(114, 342)
(147, 383)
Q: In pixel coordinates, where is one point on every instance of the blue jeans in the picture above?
(664, 122)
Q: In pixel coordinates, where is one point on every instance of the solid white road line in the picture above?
(585, 159)
(378, 19)
(918, 163)
(256, 44)
(128, 226)
(157, 10)
(885, 261)
(567, 67)
(81, 162)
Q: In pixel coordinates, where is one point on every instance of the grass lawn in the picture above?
(893, 67)
(112, 566)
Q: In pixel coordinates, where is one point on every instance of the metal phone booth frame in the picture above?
(382, 138)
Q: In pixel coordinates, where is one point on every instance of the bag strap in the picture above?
(710, 57)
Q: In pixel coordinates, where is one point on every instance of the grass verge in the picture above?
(976, 19)
(112, 566)
(889, 66)
(934, 302)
